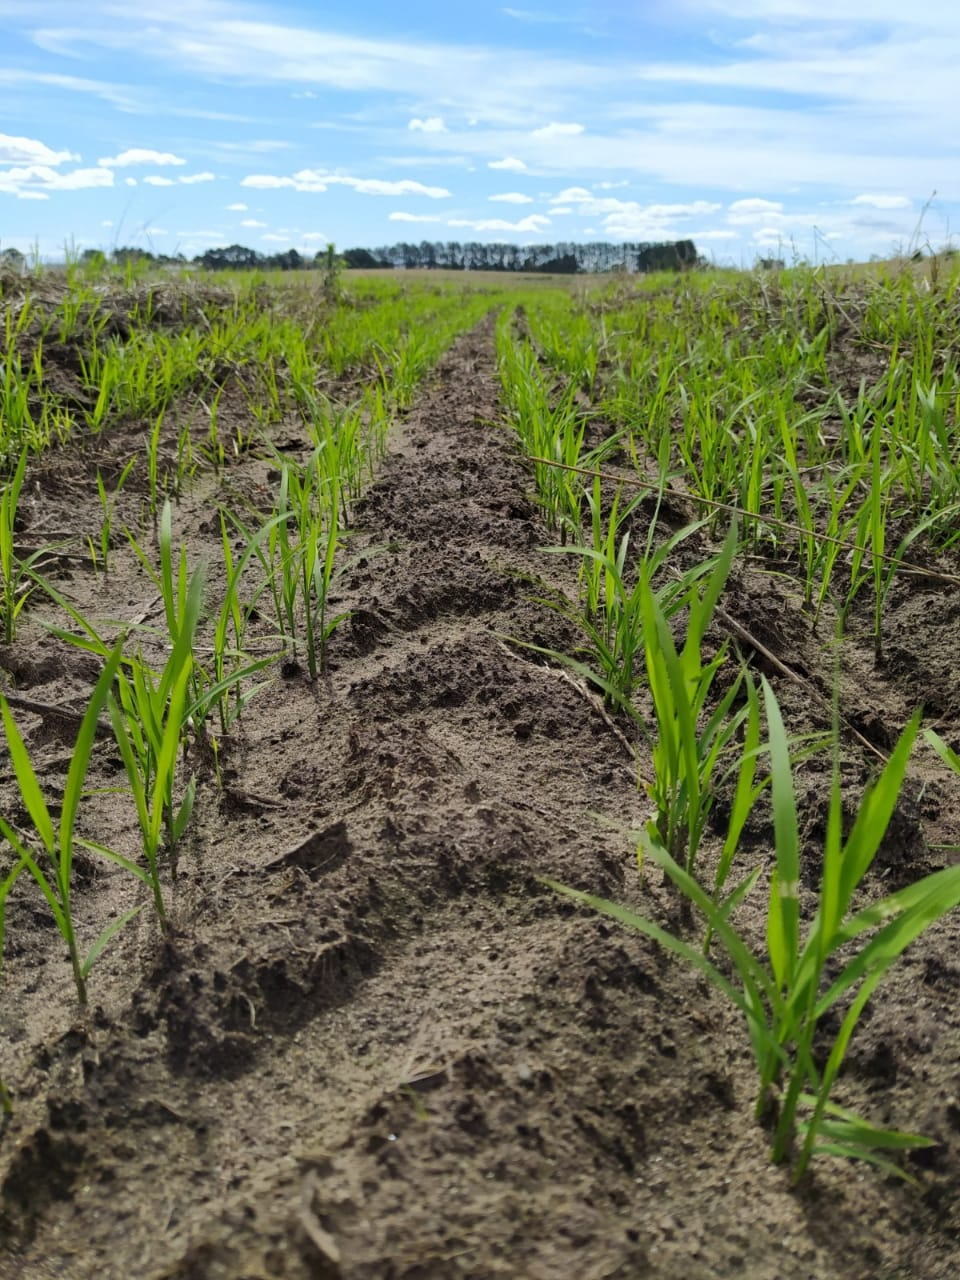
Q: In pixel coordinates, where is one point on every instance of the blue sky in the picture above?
(777, 127)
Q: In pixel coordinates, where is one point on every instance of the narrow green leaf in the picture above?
(783, 917)
(27, 781)
(110, 932)
(80, 760)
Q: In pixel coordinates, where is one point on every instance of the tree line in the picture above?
(566, 258)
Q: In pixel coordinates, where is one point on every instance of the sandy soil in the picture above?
(376, 1047)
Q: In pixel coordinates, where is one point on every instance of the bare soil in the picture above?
(376, 1046)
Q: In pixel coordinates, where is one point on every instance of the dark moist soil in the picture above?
(377, 1047)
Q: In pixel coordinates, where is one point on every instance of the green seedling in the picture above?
(150, 717)
(691, 747)
(232, 615)
(552, 434)
(611, 613)
(309, 504)
(14, 573)
(786, 994)
(186, 465)
(318, 575)
(52, 867)
(869, 561)
(153, 463)
(108, 505)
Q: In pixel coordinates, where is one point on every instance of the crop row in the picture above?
(733, 394)
(173, 349)
(168, 697)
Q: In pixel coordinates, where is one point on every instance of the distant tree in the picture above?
(131, 253)
(12, 257)
(233, 257)
(565, 265)
(565, 258)
(290, 260)
(361, 258)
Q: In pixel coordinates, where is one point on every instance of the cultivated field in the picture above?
(479, 788)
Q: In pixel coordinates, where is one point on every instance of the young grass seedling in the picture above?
(153, 464)
(688, 750)
(232, 615)
(786, 994)
(108, 504)
(53, 868)
(612, 612)
(150, 716)
(148, 723)
(13, 571)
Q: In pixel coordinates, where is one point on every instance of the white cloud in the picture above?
(509, 162)
(768, 237)
(633, 221)
(753, 210)
(512, 197)
(267, 182)
(610, 186)
(533, 15)
(433, 124)
(155, 231)
(139, 156)
(252, 222)
(628, 219)
(535, 223)
(863, 109)
(312, 237)
(276, 238)
(379, 187)
(261, 145)
(557, 130)
(237, 208)
(414, 217)
(130, 182)
(319, 180)
(80, 179)
(27, 151)
(574, 195)
(108, 92)
(883, 202)
(32, 182)
(211, 41)
(189, 179)
(154, 180)
(107, 222)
